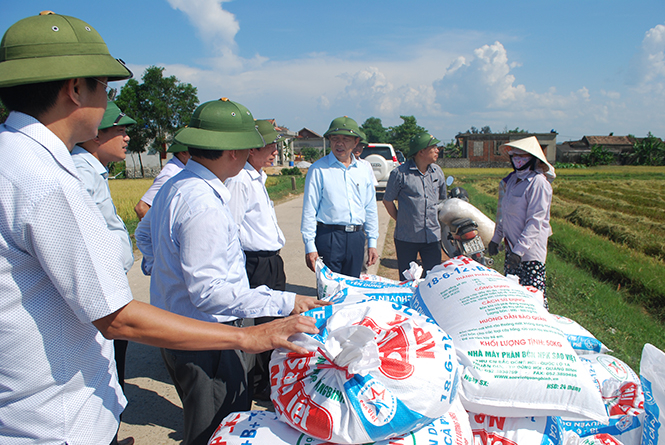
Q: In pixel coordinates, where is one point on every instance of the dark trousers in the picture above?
(343, 252)
(211, 385)
(263, 268)
(430, 254)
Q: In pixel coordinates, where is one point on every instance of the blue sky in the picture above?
(584, 67)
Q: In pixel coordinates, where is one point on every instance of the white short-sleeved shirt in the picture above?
(95, 179)
(253, 211)
(60, 269)
(172, 168)
(191, 249)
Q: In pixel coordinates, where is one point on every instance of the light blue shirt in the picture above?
(60, 270)
(191, 248)
(340, 195)
(95, 179)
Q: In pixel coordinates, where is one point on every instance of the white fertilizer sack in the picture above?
(492, 430)
(582, 341)
(374, 371)
(265, 428)
(339, 288)
(516, 362)
(621, 391)
(454, 208)
(652, 374)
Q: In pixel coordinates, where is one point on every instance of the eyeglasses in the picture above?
(110, 92)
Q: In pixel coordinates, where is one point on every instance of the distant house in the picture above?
(572, 151)
(483, 149)
(309, 138)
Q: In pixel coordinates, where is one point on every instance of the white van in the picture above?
(383, 160)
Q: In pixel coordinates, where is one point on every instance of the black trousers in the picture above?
(211, 385)
(430, 254)
(263, 268)
(343, 252)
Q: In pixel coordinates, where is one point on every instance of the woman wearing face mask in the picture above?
(523, 221)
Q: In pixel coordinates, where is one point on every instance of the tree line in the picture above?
(162, 105)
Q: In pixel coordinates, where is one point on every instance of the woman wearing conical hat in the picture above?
(524, 225)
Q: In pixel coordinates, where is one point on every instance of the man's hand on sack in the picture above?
(513, 260)
(273, 335)
(304, 303)
(492, 248)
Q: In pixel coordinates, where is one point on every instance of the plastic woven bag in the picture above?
(376, 370)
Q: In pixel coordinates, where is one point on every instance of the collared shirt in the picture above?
(417, 196)
(191, 248)
(172, 168)
(525, 223)
(60, 270)
(253, 211)
(336, 194)
(95, 179)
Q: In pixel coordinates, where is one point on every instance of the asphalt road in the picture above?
(154, 412)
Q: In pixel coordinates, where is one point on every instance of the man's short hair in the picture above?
(36, 98)
(205, 154)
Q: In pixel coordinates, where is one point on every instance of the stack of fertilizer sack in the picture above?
(465, 356)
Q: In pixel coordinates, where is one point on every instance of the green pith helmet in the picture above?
(267, 130)
(113, 117)
(343, 125)
(221, 125)
(176, 147)
(363, 137)
(52, 47)
(420, 142)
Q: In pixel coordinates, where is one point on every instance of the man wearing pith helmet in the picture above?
(339, 202)
(192, 251)
(260, 235)
(64, 289)
(418, 186)
(91, 159)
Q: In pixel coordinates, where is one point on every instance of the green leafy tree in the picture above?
(374, 130)
(400, 135)
(160, 105)
(649, 151)
(310, 154)
(598, 155)
(452, 150)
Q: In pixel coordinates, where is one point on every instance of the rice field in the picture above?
(606, 258)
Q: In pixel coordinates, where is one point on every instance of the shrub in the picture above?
(295, 171)
(310, 154)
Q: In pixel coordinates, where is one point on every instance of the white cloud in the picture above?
(650, 63)
(447, 86)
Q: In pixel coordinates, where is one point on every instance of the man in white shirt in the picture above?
(172, 168)
(260, 235)
(192, 251)
(64, 290)
(91, 159)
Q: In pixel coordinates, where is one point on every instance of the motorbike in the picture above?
(465, 230)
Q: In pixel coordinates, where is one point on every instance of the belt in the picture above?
(261, 253)
(346, 228)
